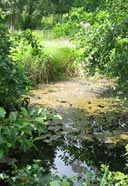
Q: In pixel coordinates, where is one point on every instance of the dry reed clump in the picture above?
(76, 70)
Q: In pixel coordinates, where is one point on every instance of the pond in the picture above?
(94, 125)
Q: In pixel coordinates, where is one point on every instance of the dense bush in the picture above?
(12, 78)
(114, 178)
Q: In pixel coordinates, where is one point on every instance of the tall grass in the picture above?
(54, 58)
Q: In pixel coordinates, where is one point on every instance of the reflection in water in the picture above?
(76, 168)
(93, 153)
(60, 166)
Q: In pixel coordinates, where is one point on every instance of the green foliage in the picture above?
(62, 60)
(27, 51)
(71, 23)
(12, 78)
(106, 177)
(25, 14)
(2, 112)
(91, 5)
(28, 14)
(35, 174)
(104, 43)
(113, 178)
(21, 129)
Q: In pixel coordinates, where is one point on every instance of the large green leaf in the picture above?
(2, 112)
(39, 120)
(1, 154)
(7, 131)
(32, 111)
(27, 131)
(13, 116)
(24, 111)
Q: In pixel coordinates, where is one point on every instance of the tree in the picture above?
(13, 11)
(33, 11)
(25, 14)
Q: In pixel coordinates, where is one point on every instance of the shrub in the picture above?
(12, 78)
(62, 59)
